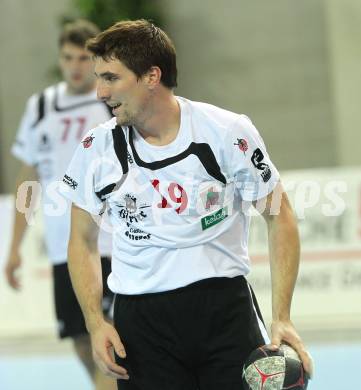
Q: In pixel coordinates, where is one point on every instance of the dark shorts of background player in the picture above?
(193, 338)
(70, 318)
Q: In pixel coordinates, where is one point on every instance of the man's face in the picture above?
(77, 67)
(120, 88)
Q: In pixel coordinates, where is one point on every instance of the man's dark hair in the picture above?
(78, 32)
(139, 45)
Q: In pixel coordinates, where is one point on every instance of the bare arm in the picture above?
(284, 250)
(26, 173)
(85, 272)
(84, 266)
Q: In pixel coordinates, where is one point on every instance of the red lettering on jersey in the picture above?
(68, 122)
(180, 197)
(164, 203)
(82, 122)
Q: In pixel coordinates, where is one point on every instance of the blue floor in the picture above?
(43, 373)
(337, 368)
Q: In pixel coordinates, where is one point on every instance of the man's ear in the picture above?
(153, 76)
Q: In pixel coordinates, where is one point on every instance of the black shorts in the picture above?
(70, 318)
(193, 338)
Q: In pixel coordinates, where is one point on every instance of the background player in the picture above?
(52, 126)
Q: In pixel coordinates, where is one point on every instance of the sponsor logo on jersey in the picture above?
(210, 198)
(212, 219)
(136, 234)
(70, 182)
(257, 158)
(87, 142)
(242, 145)
(130, 158)
(132, 212)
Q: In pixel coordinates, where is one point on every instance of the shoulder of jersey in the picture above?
(47, 91)
(33, 100)
(224, 120)
(108, 125)
(58, 88)
(50, 90)
(100, 136)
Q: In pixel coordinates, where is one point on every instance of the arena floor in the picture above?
(49, 364)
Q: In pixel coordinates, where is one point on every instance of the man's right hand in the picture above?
(105, 342)
(12, 265)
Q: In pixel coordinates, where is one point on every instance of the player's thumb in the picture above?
(275, 341)
(118, 347)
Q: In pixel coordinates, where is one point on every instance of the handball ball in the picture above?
(274, 370)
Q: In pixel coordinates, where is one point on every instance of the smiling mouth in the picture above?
(116, 106)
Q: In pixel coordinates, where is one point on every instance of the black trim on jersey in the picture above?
(105, 191)
(41, 106)
(72, 107)
(202, 150)
(41, 109)
(120, 147)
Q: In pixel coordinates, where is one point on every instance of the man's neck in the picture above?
(163, 123)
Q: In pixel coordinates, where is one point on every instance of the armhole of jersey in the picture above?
(41, 109)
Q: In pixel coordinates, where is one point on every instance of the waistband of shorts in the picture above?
(217, 283)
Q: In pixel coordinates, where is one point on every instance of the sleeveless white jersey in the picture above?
(47, 138)
(180, 212)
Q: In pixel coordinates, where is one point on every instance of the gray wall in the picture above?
(28, 41)
(344, 38)
(268, 60)
(292, 66)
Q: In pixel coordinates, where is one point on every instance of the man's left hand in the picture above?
(284, 331)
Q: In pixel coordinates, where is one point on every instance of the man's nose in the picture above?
(75, 65)
(103, 92)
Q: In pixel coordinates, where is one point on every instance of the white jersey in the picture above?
(52, 126)
(180, 212)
